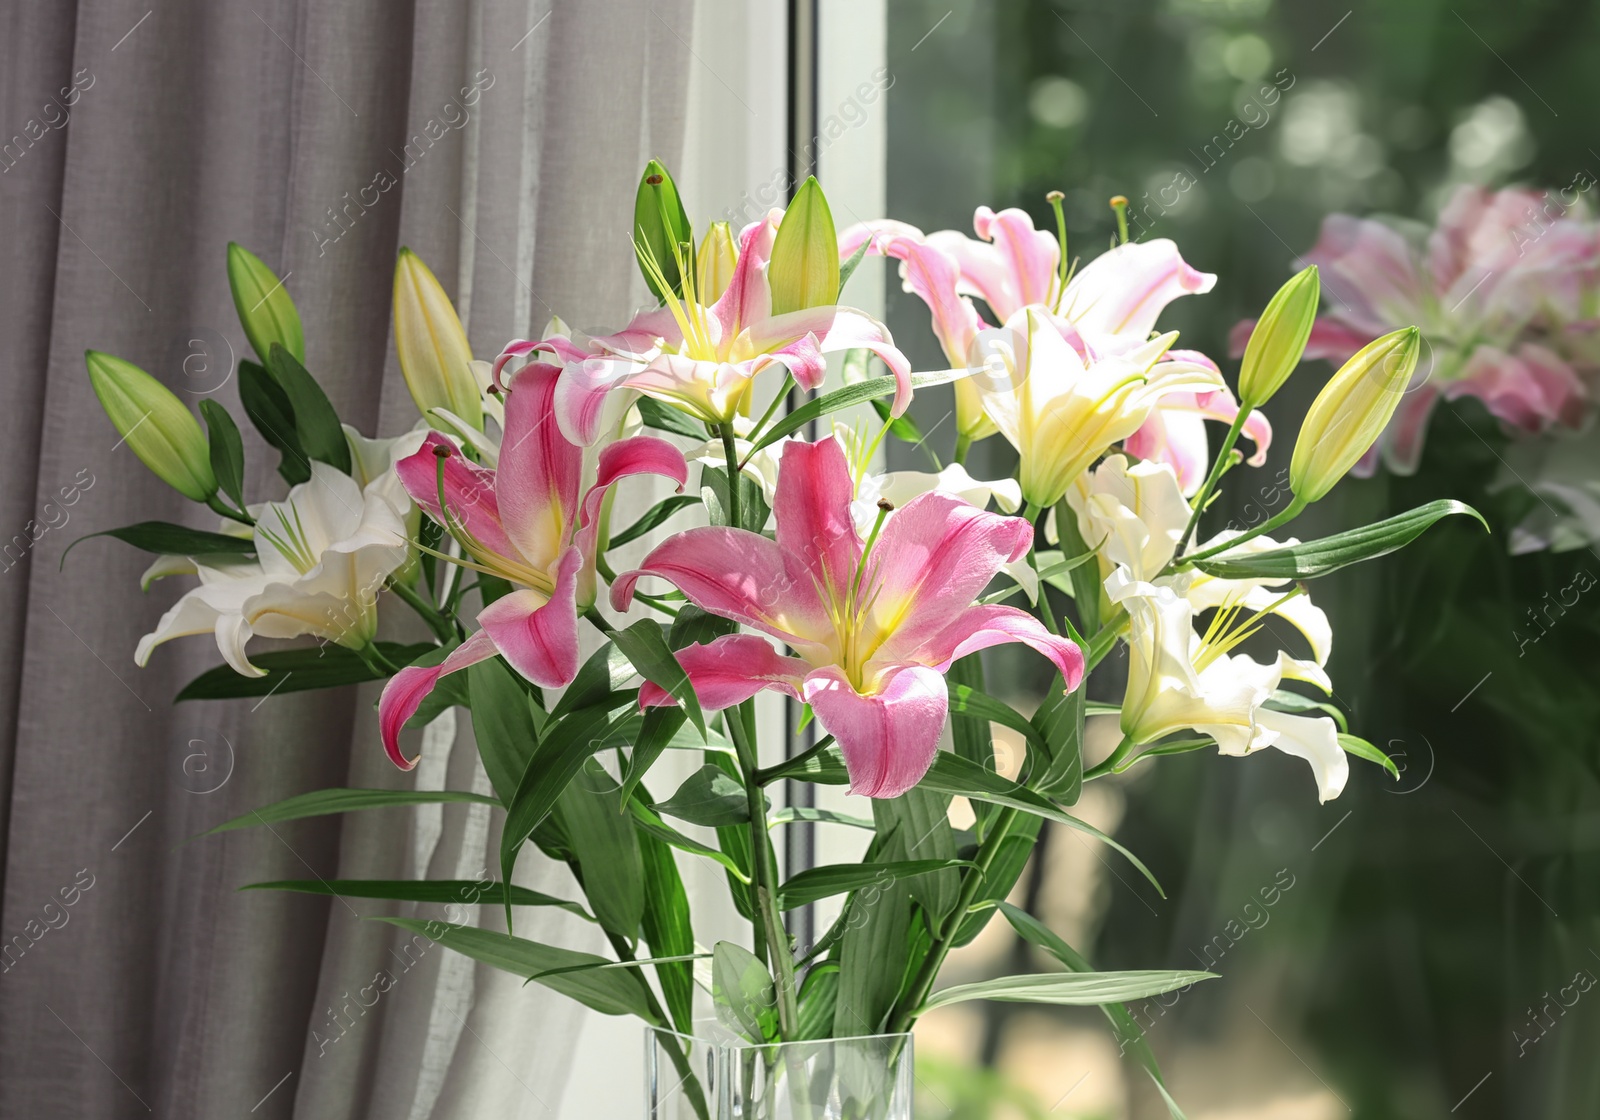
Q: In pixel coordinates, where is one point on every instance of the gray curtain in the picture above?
(500, 140)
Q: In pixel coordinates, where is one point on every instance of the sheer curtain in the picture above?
(498, 139)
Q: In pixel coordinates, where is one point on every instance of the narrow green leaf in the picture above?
(330, 802)
(1284, 701)
(226, 450)
(953, 774)
(817, 883)
(655, 516)
(645, 645)
(316, 424)
(668, 928)
(1311, 559)
(901, 427)
(695, 627)
(803, 270)
(976, 702)
(173, 540)
(1082, 989)
(819, 995)
(848, 268)
(502, 724)
(464, 892)
(804, 814)
(969, 733)
(873, 954)
(708, 797)
(655, 735)
(297, 670)
(268, 407)
(1363, 749)
(823, 768)
(646, 820)
(743, 993)
(851, 394)
(923, 822)
(608, 991)
(1017, 847)
(600, 681)
(605, 847)
(665, 418)
(1060, 723)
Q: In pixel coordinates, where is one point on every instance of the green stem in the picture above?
(1287, 515)
(1032, 512)
(783, 395)
(906, 1011)
(436, 622)
(222, 507)
(375, 660)
(963, 445)
(773, 773)
(730, 457)
(598, 620)
(1210, 484)
(1112, 761)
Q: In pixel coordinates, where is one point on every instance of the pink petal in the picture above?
(816, 533)
(638, 455)
(852, 330)
(468, 491)
(879, 233)
(729, 671)
(933, 557)
(1402, 441)
(933, 276)
(735, 574)
(406, 690)
(1336, 340)
(538, 637)
(644, 334)
(515, 349)
(1123, 291)
(980, 627)
(804, 359)
(584, 394)
(888, 738)
(1369, 270)
(1031, 255)
(748, 299)
(538, 474)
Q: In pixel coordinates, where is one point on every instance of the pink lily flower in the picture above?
(1175, 433)
(531, 521)
(702, 358)
(1500, 288)
(873, 626)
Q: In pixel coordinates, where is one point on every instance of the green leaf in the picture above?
(923, 823)
(316, 424)
(329, 802)
(830, 879)
(465, 892)
(1016, 848)
(1130, 1039)
(566, 744)
(1060, 723)
(743, 993)
(605, 846)
(900, 427)
(851, 394)
(1084, 577)
(656, 515)
(873, 954)
(665, 418)
(647, 821)
(655, 735)
(268, 407)
(819, 994)
(975, 702)
(661, 231)
(1363, 749)
(695, 627)
(953, 774)
(708, 797)
(804, 814)
(1081, 989)
(173, 540)
(645, 645)
(668, 928)
(824, 768)
(848, 268)
(1284, 701)
(502, 724)
(599, 682)
(608, 991)
(753, 508)
(226, 449)
(803, 270)
(1319, 557)
(297, 670)
(970, 734)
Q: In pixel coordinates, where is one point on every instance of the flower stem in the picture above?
(1111, 761)
(441, 627)
(1032, 512)
(963, 445)
(730, 457)
(1210, 484)
(783, 395)
(1287, 515)
(222, 507)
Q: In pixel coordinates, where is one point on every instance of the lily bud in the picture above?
(715, 264)
(1351, 411)
(804, 268)
(265, 309)
(155, 424)
(1279, 339)
(661, 231)
(435, 357)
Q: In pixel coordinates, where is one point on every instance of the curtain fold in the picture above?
(499, 139)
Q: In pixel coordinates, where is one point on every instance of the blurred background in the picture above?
(1414, 948)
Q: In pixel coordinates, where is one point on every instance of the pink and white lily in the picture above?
(873, 625)
(534, 520)
(702, 358)
(1503, 290)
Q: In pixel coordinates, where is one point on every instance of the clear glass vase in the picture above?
(715, 1075)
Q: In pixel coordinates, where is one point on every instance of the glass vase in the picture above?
(716, 1075)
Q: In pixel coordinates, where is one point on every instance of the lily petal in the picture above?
(537, 478)
(729, 671)
(889, 737)
(406, 690)
(538, 636)
(980, 627)
(815, 530)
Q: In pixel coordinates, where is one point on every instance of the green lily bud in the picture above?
(804, 269)
(155, 424)
(1351, 411)
(715, 263)
(265, 309)
(661, 231)
(1279, 340)
(435, 357)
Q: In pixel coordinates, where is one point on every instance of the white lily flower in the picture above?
(1178, 679)
(322, 556)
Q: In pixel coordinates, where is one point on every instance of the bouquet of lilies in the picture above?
(787, 561)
